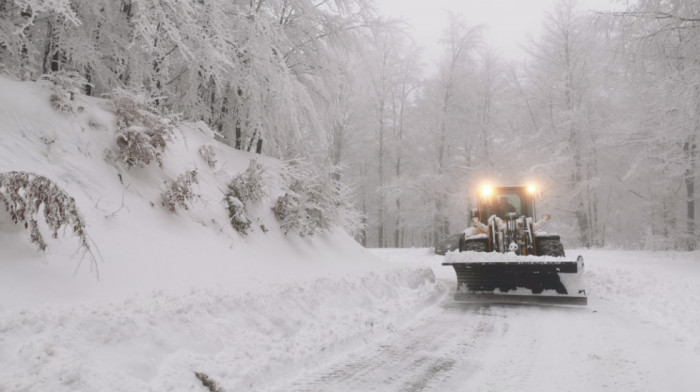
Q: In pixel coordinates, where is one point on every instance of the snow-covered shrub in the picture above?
(346, 215)
(314, 202)
(248, 186)
(243, 191)
(65, 86)
(321, 203)
(25, 195)
(142, 133)
(330, 204)
(62, 102)
(237, 214)
(134, 148)
(179, 193)
(290, 212)
(207, 153)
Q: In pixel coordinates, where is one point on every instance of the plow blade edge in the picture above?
(552, 282)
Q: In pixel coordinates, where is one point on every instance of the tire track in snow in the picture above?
(602, 346)
(501, 348)
(423, 357)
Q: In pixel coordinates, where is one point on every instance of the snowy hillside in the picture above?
(169, 294)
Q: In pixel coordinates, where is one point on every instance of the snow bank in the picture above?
(418, 257)
(158, 342)
(177, 293)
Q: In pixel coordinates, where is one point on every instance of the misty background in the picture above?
(600, 108)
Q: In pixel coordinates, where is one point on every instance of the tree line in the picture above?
(603, 113)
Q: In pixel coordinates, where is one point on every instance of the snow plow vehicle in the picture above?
(506, 257)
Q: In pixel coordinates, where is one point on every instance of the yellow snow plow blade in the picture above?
(503, 278)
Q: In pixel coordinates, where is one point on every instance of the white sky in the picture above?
(509, 22)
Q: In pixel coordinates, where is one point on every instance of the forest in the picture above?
(603, 114)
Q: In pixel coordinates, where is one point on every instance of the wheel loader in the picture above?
(507, 257)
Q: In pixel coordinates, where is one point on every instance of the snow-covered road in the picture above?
(394, 328)
(455, 346)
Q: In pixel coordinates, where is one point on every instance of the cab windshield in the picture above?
(507, 200)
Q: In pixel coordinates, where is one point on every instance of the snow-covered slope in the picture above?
(177, 293)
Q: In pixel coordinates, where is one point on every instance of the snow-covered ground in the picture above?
(177, 294)
(640, 331)
(660, 288)
(183, 298)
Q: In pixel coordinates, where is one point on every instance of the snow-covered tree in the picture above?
(313, 202)
(448, 100)
(660, 41)
(563, 72)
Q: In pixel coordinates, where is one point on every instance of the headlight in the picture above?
(486, 191)
(531, 189)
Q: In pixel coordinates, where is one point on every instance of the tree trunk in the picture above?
(398, 152)
(380, 170)
(691, 152)
(337, 145)
(380, 163)
(48, 47)
(397, 243)
(88, 78)
(363, 229)
(239, 130)
(239, 135)
(256, 135)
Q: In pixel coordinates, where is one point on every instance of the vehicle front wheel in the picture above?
(550, 246)
(473, 245)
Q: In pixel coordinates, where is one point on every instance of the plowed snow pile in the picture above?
(181, 296)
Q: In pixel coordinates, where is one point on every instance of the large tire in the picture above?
(474, 245)
(550, 246)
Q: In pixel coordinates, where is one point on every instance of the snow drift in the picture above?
(178, 293)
